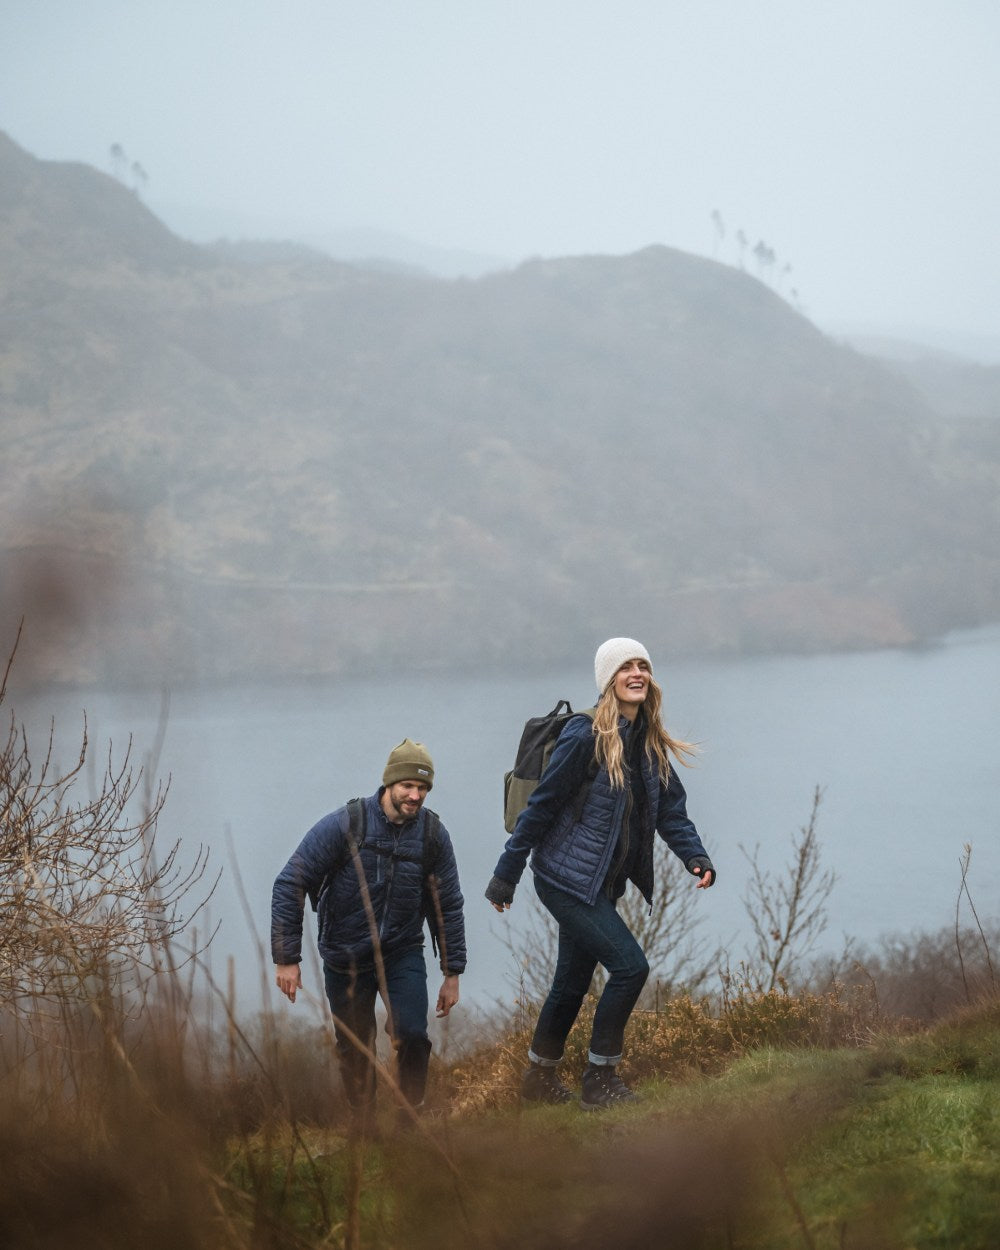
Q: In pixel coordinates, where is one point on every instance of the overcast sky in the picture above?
(857, 138)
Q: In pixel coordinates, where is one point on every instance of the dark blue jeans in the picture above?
(588, 936)
(352, 996)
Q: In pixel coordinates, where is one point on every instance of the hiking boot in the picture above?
(603, 1088)
(540, 1084)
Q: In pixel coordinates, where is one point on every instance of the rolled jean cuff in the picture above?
(603, 1061)
(542, 1062)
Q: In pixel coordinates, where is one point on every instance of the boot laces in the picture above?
(612, 1084)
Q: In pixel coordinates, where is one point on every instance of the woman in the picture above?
(589, 833)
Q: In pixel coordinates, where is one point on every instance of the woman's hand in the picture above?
(702, 867)
(500, 894)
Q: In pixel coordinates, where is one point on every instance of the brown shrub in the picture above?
(683, 1036)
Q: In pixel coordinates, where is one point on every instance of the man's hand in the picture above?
(448, 996)
(288, 978)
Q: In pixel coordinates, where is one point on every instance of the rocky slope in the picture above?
(217, 466)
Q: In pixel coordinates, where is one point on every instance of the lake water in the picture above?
(903, 744)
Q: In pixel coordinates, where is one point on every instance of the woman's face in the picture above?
(632, 684)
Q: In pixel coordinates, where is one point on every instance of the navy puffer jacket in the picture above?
(573, 851)
(392, 858)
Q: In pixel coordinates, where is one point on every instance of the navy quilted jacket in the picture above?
(574, 853)
(392, 858)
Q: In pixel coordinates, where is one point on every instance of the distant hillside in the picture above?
(218, 466)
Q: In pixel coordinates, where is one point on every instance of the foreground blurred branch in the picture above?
(83, 896)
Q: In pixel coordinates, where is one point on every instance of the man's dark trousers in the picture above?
(352, 996)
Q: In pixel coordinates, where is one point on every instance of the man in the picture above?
(373, 870)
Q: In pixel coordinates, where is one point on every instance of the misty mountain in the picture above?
(378, 249)
(953, 386)
(221, 465)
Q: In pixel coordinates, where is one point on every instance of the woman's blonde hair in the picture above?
(659, 745)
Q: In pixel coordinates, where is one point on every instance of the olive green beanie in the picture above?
(409, 761)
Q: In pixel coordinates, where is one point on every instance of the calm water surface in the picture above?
(903, 744)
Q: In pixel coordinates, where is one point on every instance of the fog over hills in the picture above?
(229, 462)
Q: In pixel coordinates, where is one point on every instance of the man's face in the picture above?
(404, 799)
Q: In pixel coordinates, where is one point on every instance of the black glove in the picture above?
(703, 863)
(500, 892)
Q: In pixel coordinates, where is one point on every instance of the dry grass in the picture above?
(683, 1037)
(135, 1125)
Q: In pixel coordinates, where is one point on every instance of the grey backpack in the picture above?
(539, 736)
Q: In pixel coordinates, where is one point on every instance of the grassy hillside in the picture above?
(895, 1144)
(215, 465)
(892, 1141)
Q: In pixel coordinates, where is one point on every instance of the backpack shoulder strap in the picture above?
(580, 802)
(357, 829)
(590, 713)
(357, 824)
(430, 904)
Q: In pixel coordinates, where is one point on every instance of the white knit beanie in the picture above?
(611, 655)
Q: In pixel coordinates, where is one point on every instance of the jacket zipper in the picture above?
(600, 876)
(389, 875)
(623, 843)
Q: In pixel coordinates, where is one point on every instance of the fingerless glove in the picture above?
(499, 891)
(706, 865)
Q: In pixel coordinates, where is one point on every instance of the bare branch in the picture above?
(788, 913)
(964, 889)
(83, 898)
